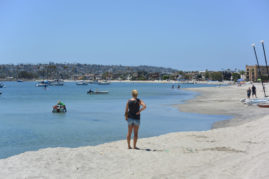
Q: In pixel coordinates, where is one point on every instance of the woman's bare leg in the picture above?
(135, 135)
(129, 134)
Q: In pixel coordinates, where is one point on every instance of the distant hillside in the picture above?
(67, 71)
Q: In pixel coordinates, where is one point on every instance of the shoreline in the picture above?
(227, 104)
(237, 151)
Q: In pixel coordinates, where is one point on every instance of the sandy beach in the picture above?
(225, 101)
(237, 148)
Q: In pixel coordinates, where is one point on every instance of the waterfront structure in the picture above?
(252, 72)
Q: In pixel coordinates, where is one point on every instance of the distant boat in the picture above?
(19, 81)
(56, 83)
(97, 92)
(103, 83)
(0, 92)
(59, 109)
(82, 83)
(44, 83)
(2, 85)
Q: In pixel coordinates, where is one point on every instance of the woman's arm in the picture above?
(143, 107)
(126, 111)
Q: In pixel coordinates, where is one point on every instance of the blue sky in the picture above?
(186, 35)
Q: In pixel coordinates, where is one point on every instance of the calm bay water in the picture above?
(27, 123)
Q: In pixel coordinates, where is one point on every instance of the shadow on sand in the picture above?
(151, 150)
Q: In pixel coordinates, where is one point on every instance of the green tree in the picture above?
(265, 78)
(141, 78)
(51, 70)
(241, 72)
(207, 75)
(216, 76)
(26, 75)
(227, 75)
(235, 76)
(165, 77)
(187, 76)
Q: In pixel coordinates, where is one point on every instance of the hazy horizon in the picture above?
(189, 35)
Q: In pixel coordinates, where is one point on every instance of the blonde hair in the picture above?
(135, 93)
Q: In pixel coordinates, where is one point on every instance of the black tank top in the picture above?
(134, 107)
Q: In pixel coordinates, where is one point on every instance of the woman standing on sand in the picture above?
(132, 116)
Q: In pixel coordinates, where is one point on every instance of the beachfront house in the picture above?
(252, 73)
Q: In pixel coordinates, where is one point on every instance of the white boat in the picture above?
(44, 83)
(83, 83)
(56, 83)
(103, 83)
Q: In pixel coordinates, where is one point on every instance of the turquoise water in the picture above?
(27, 123)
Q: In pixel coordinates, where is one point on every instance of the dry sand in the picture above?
(233, 152)
(225, 101)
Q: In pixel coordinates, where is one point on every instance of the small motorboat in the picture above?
(97, 92)
(59, 108)
(2, 85)
(56, 83)
(103, 83)
(264, 105)
(44, 83)
(82, 83)
(19, 81)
